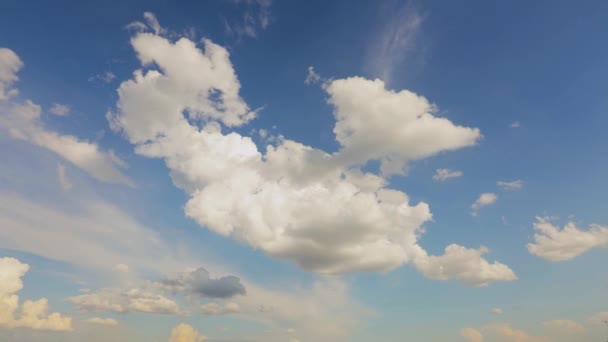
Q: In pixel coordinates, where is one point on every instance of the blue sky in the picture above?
(258, 170)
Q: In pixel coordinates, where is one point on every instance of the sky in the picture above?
(282, 171)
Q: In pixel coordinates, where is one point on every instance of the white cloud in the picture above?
(515, 124)
(555, 244)
(485, 199)
(217, 309)
(497, 311)
(264, 199)
(471, 335)
(33, 314)
(102, 321)
(375, 123)
(136, 299)
(445, 174)
(62, 177)
(60, 109)
(22, 121)
(9, 66)
(186, 333)
(513, 185)
(105, 77)
(122, 268)
(563, 326)
(463, 264)
(256, 16)
(505, 333)
(312, 77)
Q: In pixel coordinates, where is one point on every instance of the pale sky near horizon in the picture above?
(281, 171)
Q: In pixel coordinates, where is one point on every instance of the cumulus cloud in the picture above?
(199, 282)
(179, 109)
(555, 244)
(445, 174)
(471, 335)
(130, 300)
(22, 121)
(485, 199)
(563, 326)
(312, 77)
(102, 321)
(513, 185)
(32, 314)
(10, 64)
(186, 333)
(217, 309)
(60, 109)
(375, 123)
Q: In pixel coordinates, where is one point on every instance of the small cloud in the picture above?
(217, 309)
(442, 175)
(102, 321)
(60, 109)
(186, 333)
(105, 77)
(515, 124)
(62, 177)
(312, 77)
(513, 185)
(483, 200)
(564, 326)
(122, 268)
(256, 16)
(496, 311)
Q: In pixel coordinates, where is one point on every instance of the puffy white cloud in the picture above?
(497, 311)
(60, 109)
(102, 321)
(564, 326)
(375, 123)
(32, 314)
(129, 300)
(22, 120)
(265, 199)
(513, 185)
(10, 64)
(555, 244)
(471, 335)
(445, 174)
(503, 332)
(217, 309)
(186, 333)
(465, 264)
(312, 77)
(485, 199)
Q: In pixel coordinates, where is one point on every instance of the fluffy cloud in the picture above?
(555, 244)
(22, 120)
(505, 333)
(563, 326)
(174, 112)
(464, 264)
(130, 300)
(471, 335)
(10, 64)
(185, 333)
(513, 185)
(485, 199)
(60, 109)
(102, 321)
(217, 309)
(199, 282)
(33, 314)
(375, 123)
(445, 174)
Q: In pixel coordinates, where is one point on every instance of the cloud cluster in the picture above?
(32, 314)
(186, 333)
(175, 110)
(129, 300)
(555, 244)
(22, 121)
